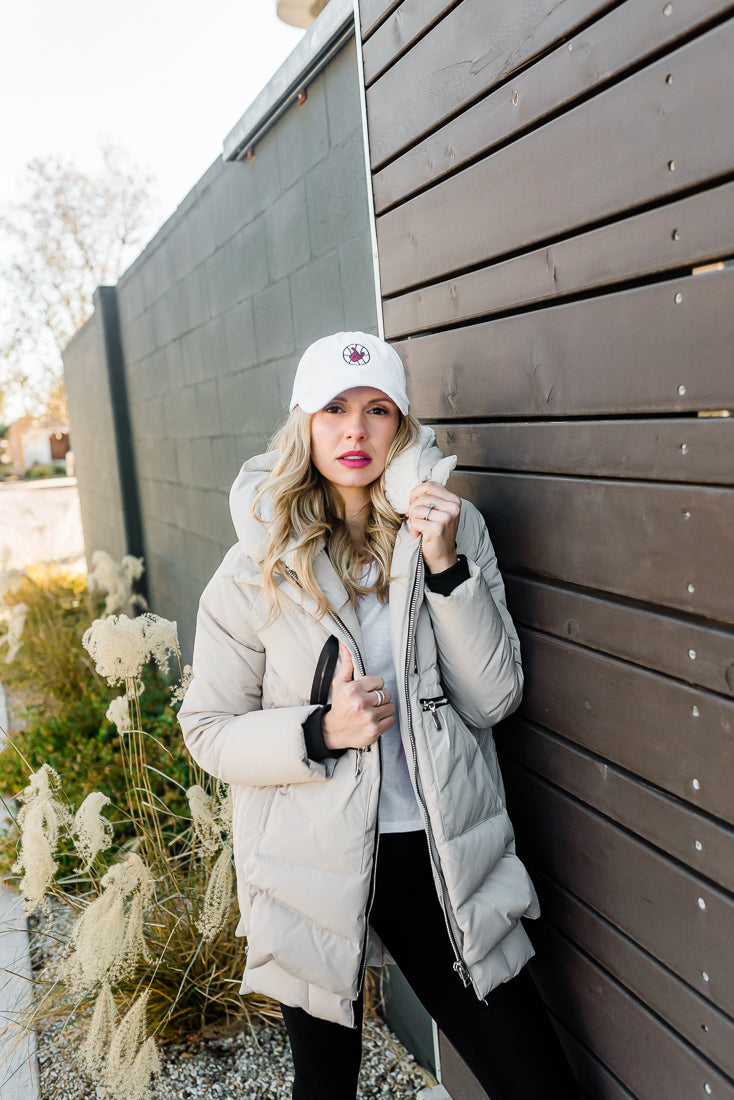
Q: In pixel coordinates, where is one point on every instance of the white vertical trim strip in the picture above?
(370, 196)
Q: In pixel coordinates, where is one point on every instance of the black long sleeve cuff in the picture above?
(448, 579)
(316, 748)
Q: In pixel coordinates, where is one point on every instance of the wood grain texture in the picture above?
(664, 544)
(629, 352)
(691, 1016)
(558, 178)
(693, 838)
(677, 737)
(681, 234)
(399, 31)
(646, 1054)
(698, 450)
(475, 47)
(595, 1079)
(676, 645)
(646, 896)
(585, 61)
(372, 13)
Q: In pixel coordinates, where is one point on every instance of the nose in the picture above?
(355, 426)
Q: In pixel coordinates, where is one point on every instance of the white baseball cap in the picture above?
(344, 360)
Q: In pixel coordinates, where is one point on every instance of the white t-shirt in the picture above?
(399, 810)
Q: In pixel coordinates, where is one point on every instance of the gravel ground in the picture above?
(254, 1064)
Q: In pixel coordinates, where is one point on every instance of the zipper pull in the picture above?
(463, 973)
(434, 715)
(358, 762)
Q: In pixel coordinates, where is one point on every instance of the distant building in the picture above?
(36, 440)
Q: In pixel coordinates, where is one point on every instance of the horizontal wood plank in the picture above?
(678, 646)
(696, 450)
(676, 737)
(614, 43)
(620, 1030)
(636, 351)
(407, 23)
(693, 838)
(373, 12)
(649, 898)
(560, 178)
(596, 1080)
(690, 232)
(692, 1017)
(664, 544)
(475, 47)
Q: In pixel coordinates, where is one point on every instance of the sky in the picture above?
(164, 79)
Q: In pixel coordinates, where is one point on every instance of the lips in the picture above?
(354, 460)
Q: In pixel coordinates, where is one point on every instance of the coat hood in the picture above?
(423, 461)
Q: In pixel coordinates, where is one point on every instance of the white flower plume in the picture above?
(40, 820)
(118, 712)
(219, 895)
(93, 833)
(15, 617)
(116, 580)
(178, 692)
(132, 1059)
(108, 940)
(120, 646)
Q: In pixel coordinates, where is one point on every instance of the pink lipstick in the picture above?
(354, 460)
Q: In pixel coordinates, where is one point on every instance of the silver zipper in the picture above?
(459, 966)
(357, 770)
(431, 705)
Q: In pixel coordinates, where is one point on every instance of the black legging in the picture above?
(508, 1042)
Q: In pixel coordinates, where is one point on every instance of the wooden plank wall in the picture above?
(554, 195)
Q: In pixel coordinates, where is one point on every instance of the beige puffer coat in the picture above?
(304, 832)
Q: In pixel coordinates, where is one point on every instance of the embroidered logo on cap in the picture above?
(356, 354)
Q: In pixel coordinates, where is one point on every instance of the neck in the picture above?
(356, 504)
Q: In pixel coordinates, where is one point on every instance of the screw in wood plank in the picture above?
(705, 976)
(686, 514)
(695, 711)
(692, 654)
(669, 78)
(668, 9)
(675, 235)
(678, 298)
(681, 391)
(684, 448)
(696, 784)
(698, 845)
(701, 903)
(690, 588)
(671, 166)
(707, 1088)
(302, 97)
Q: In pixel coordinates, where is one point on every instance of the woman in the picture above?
(367, 800)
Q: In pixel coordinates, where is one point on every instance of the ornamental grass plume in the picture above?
(116, 581)
(118, 712)
(108, 938)
(133, 1059)
(40, 820)
(15, 617)
(217, 904)
(121, 646)
(207, 827)
(92, 833)
(101, 1029)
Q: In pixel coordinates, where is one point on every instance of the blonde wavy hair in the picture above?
(307, 512)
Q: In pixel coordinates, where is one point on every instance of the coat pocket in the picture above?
(466, 791)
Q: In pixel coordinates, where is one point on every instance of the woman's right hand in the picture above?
(357, 716)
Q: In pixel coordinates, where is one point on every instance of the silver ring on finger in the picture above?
(429, 509)
(381, 699)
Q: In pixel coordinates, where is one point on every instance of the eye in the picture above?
(380, 410)
(332, 409)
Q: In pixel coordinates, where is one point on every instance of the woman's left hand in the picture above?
(434, 513)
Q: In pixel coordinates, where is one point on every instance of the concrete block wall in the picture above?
(262, 257)
(93, 441)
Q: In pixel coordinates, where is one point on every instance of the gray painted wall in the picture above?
(88, 392)
(262, 257)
